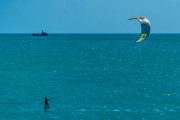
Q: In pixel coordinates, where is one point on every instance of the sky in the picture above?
(88, 16)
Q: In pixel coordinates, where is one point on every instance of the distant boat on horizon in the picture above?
(41, 34)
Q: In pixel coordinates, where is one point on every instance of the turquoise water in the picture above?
(90, 77)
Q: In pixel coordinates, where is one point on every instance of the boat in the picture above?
(41, 34)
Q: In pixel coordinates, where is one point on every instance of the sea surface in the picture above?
(90, 77)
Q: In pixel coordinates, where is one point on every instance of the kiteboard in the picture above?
(46, 108)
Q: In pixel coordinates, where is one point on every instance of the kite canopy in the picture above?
(145, 27)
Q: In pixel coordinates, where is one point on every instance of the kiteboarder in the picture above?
(46, 104)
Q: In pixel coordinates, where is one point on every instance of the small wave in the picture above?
(116, 110)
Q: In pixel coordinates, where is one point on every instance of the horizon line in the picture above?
(91, 33)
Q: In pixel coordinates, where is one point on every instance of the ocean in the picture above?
(90, 77)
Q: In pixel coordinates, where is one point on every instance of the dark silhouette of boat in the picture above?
(41, 34)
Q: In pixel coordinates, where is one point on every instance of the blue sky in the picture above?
(88, 16)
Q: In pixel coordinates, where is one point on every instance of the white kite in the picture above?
(145, 27)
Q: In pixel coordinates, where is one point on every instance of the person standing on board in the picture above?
(46, 104)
